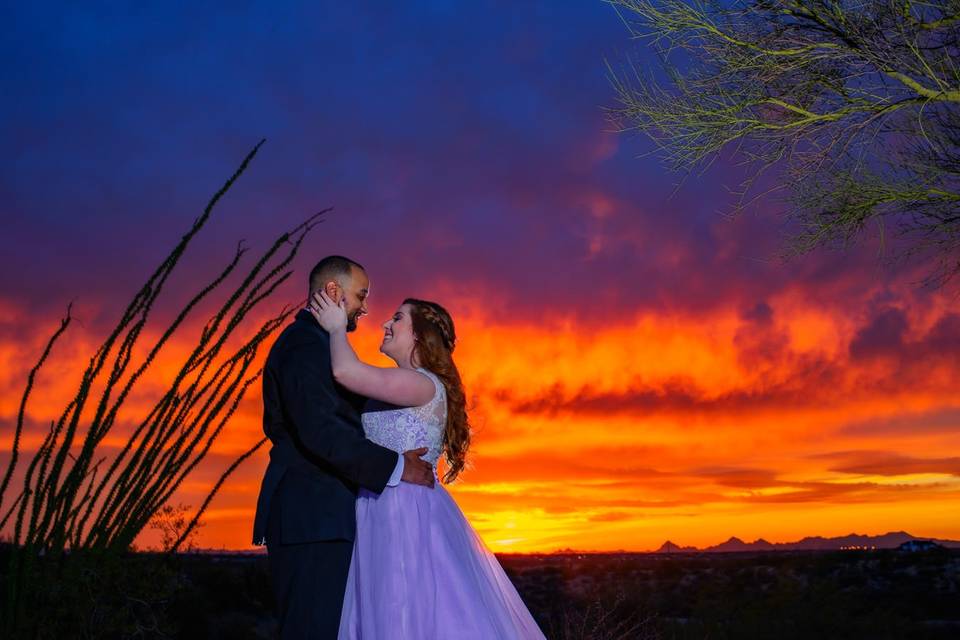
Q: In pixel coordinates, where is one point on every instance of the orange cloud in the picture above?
(781, 420)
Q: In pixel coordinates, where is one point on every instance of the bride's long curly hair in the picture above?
(433, 350)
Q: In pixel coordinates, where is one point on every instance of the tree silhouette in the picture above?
(852, 105)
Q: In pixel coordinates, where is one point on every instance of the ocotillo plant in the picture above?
(75, 496)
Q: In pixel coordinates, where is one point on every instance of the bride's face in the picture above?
(398, 335)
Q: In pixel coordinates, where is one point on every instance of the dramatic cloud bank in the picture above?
(640, 366)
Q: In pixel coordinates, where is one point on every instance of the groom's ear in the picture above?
(332, 289)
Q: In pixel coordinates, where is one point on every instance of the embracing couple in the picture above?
(362, 540)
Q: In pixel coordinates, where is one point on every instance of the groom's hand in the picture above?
(415, 470)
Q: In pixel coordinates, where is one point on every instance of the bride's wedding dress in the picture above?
(419, 571)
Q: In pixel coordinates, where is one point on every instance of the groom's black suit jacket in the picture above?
(319, 455)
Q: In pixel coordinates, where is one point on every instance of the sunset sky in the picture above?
(641, 366)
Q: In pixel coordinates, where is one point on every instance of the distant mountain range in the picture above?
(890, 540)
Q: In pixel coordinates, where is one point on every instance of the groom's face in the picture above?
(354, 289)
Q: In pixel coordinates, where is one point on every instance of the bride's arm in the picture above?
(402, 387)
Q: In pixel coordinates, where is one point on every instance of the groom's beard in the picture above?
(352, 322)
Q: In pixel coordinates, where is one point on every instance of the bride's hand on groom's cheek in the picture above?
(329, 314)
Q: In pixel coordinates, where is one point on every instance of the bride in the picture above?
(419, 571)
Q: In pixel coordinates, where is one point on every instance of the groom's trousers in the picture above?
(308, 582)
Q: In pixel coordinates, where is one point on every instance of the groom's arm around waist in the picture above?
(311, 402)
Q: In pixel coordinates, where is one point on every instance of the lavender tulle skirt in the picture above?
(420, 572)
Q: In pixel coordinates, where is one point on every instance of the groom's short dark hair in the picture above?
(331, 268)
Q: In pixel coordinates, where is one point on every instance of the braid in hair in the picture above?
(438, 317)
(435, 341)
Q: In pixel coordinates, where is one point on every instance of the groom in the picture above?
(319, 458)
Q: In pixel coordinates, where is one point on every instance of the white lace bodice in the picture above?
(405, 428)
